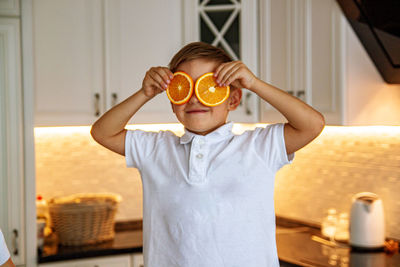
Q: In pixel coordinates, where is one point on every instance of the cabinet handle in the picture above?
(247, 104)
(97, 104)
(290, 92)
(15, 242)
(301, 94)
(114, 98)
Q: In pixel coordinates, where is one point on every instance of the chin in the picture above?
(198, 128)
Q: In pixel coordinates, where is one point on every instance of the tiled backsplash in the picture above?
(342, 161)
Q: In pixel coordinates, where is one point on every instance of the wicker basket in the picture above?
(84, 219)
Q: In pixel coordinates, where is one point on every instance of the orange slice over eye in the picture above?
(208, 92)
(180, 89)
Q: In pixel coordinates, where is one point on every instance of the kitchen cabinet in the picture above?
(233, 26)
(68, 61)
(11, 139)
(140, 35)
(91, 54)
(9, 8)
(112, 261)
(301, 51)
(137, 260)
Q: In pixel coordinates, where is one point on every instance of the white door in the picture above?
(11, 140)
(68, 62)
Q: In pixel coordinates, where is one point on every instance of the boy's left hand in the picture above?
(235, 73)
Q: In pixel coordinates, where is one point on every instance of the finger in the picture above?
(219, 68)
(225, 71)
(230, 74)
(151, 83)
(166, 74)
(236, 76)
(155, 75)
(219, 72)
(152, 86)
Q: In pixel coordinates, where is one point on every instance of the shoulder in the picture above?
(270, 130)
(140, 134)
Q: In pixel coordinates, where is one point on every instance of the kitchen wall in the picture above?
(367, 98)
(339, 163)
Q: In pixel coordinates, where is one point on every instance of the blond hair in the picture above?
(197, 50)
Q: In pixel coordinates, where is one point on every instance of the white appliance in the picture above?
(367, 222)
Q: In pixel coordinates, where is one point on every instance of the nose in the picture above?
(193, 99)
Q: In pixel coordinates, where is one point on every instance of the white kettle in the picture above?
(367, 222)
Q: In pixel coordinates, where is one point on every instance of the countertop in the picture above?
(293, 240)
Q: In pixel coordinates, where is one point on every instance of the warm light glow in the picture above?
(61, 130)
(65, 130)
(238, 128)
(363, 130)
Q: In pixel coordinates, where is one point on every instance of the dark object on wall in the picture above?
(377, 25)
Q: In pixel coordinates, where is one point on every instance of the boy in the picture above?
(208, 195)
(5, 259)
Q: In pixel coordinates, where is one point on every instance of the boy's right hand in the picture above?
(156, 81)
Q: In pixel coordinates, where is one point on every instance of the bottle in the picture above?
(328, 226)
(42, 216)
(41, 208)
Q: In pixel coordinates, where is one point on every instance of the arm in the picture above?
(304, 122)
(109, 129)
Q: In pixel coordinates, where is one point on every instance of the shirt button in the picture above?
(199, 156)
(201, 142)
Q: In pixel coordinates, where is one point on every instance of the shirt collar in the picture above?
(223, 132)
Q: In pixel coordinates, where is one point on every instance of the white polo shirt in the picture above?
(208, 200)
(4, 253)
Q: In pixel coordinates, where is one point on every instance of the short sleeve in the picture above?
(140, 145)
(270, 144)
(4, 253)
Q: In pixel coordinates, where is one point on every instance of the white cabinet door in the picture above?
(231, 25)
(117, 261)
(9, 7)
(92, 54)
(138, 260)
(140, 35)
(112, 261)
(69, 67)
(300, 44)
(11, 140)
(59, 264)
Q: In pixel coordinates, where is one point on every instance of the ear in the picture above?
(234, 98)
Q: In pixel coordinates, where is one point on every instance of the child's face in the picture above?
(195, 116)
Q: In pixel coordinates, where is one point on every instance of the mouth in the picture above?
(196, 111)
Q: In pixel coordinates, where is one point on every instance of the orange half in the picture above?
(208, 92)
(180, 89)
